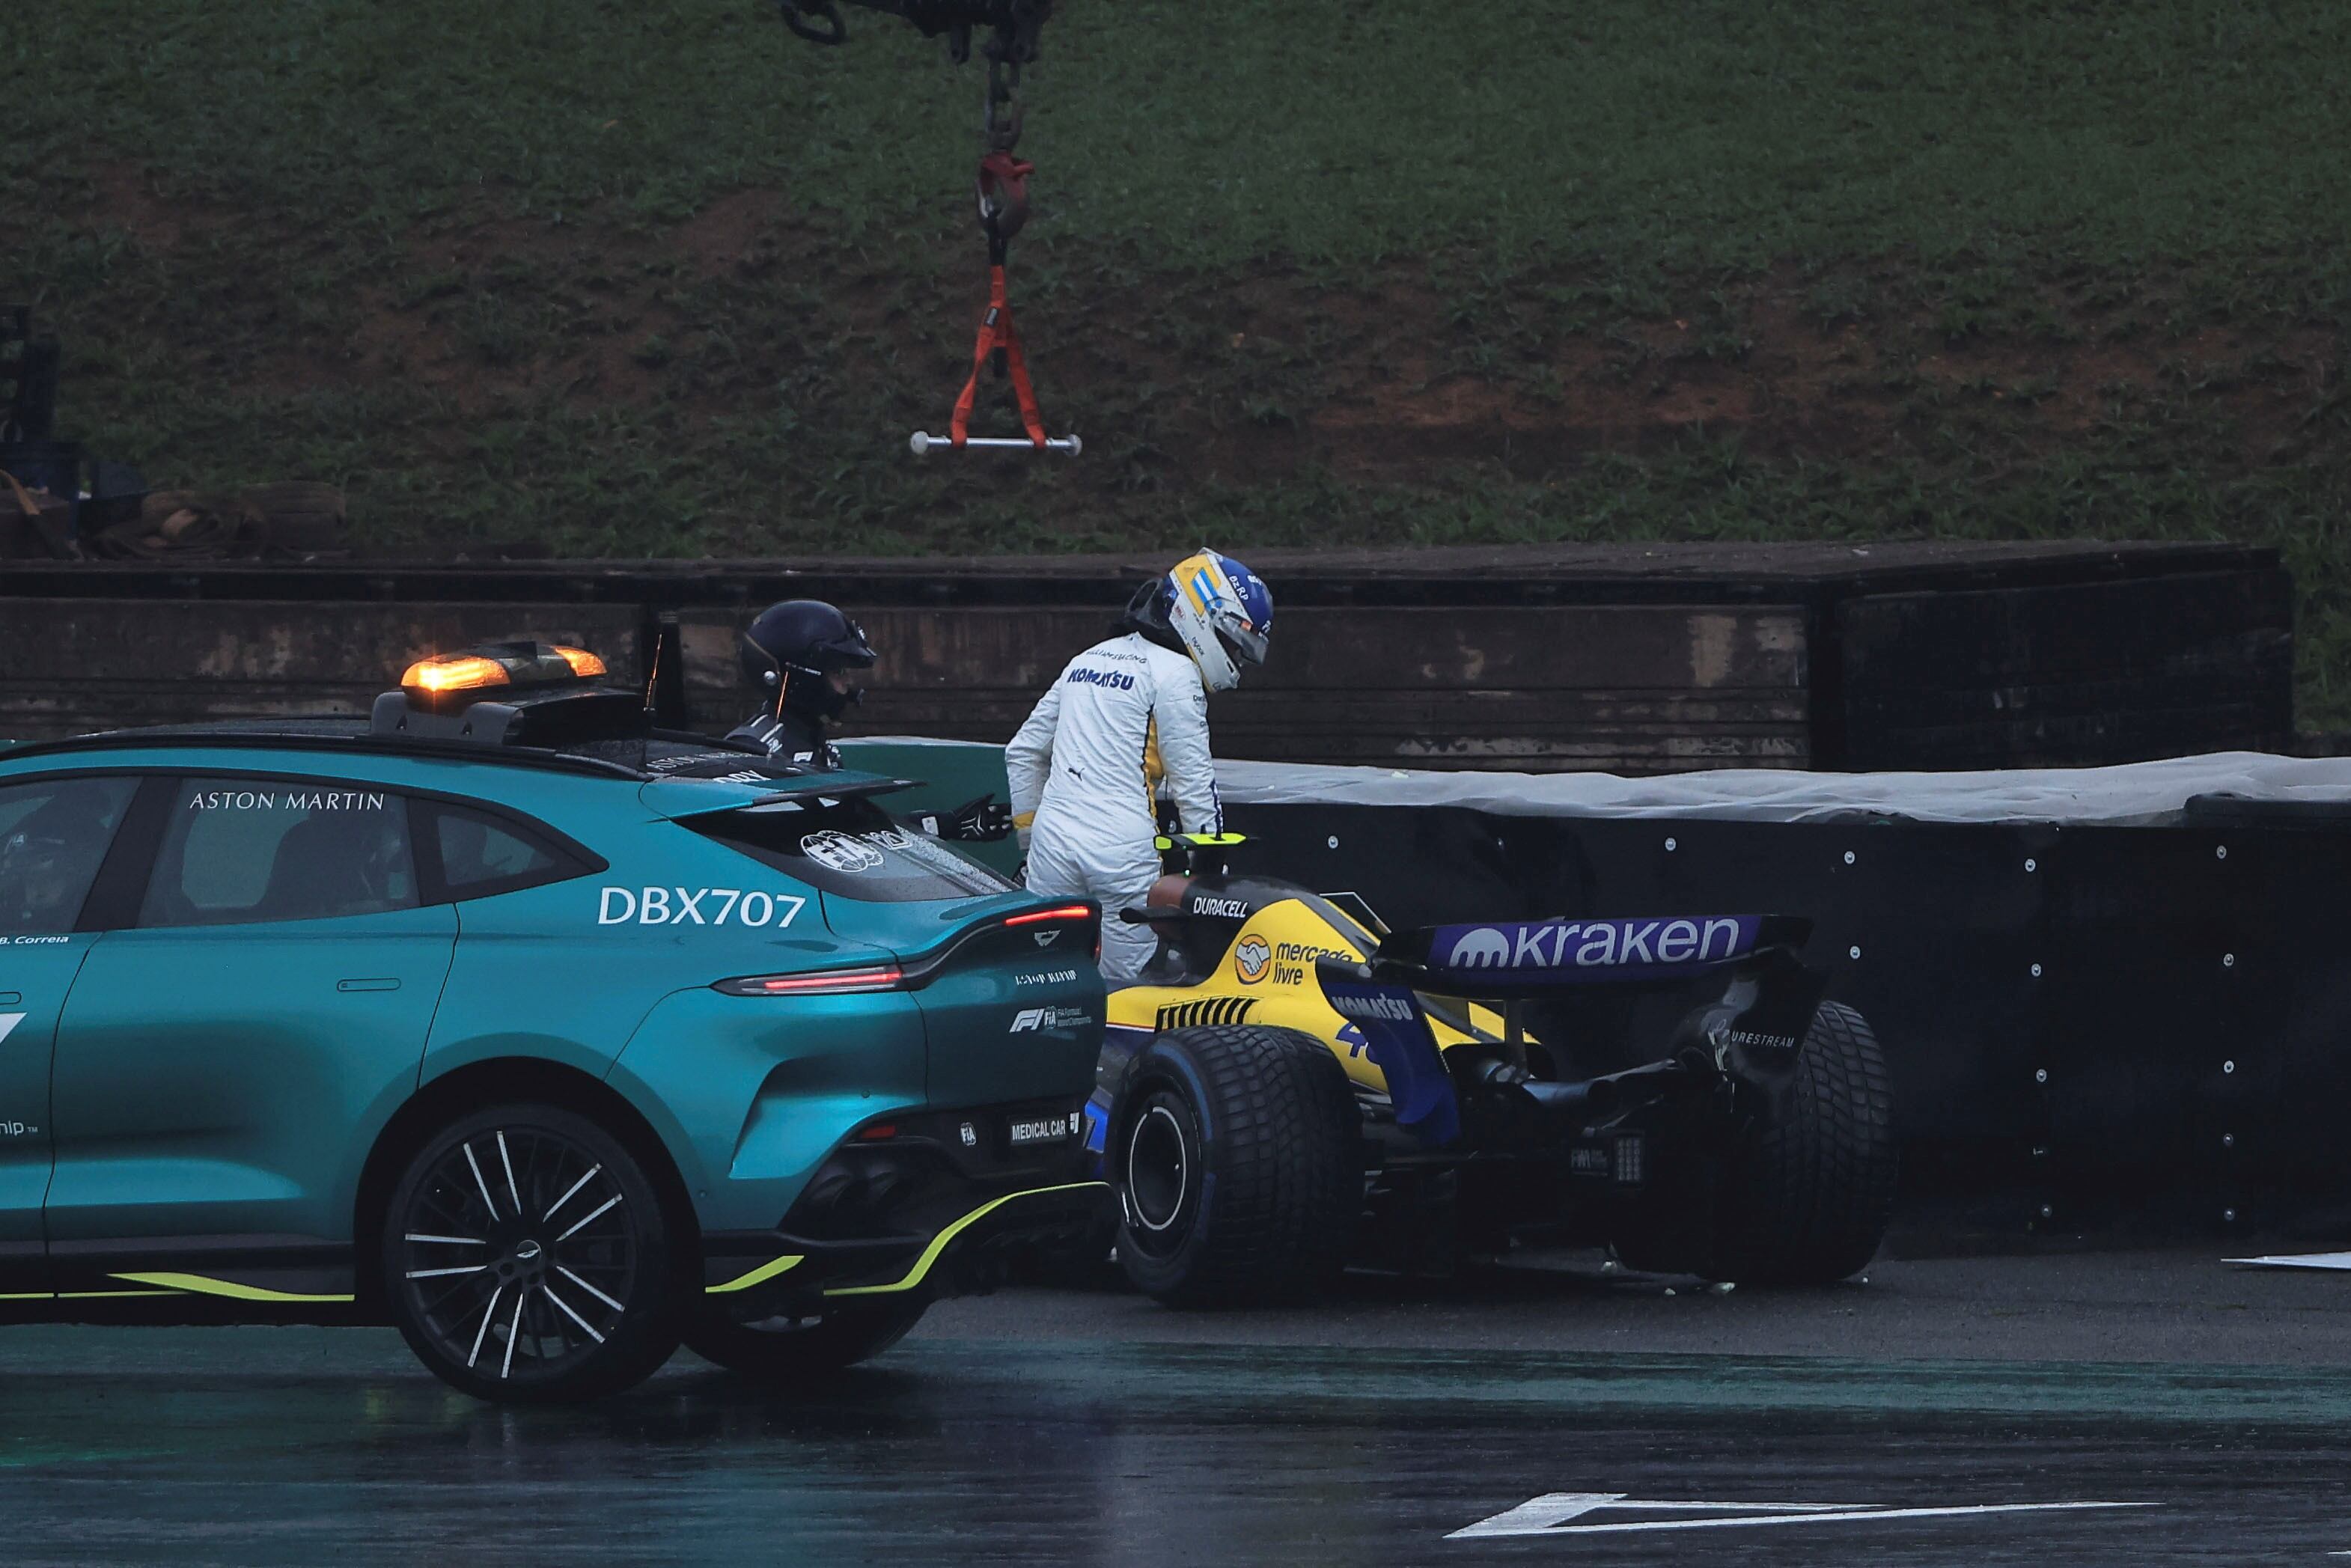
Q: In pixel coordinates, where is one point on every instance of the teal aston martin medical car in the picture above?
(547, 1037)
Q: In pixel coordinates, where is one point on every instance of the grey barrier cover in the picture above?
(2138, 792)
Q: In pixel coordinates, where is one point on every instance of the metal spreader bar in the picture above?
(923, 443)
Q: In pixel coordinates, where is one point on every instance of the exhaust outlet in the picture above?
(1598, 1099)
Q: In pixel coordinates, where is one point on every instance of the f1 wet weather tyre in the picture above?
(1236, 1151)
(786, 1350)
(528, 1260)
(1805, 1200)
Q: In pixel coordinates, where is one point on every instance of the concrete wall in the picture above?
(1643, 660)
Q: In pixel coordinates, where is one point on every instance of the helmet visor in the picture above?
(1243, 640)
(848, 650)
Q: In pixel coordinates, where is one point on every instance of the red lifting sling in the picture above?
(1003, 208)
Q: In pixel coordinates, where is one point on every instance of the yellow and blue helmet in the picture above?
(1223, 613)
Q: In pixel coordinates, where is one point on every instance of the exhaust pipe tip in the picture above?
(1596, 1098)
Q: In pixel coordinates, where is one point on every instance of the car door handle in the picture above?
(10, 998)
(367, 985)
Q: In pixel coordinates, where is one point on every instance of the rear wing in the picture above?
(1765, 1007)
(1538, 957)
(683, 796)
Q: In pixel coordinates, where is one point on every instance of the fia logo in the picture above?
(840, 852)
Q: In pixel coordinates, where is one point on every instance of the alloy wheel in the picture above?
(517, 1253)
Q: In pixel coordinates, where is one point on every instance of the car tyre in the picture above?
(527, 1259)
(1237, 1152)
(786, 1350)
(1806, 1198)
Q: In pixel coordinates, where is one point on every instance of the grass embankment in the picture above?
(654, 278)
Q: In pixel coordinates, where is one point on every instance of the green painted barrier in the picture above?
(951, 773)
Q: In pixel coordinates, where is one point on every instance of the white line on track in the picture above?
(1546, 1516)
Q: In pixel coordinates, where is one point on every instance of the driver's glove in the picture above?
(981, 821)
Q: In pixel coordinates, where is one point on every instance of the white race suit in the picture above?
(1082, 769)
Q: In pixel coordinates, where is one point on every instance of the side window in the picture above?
(52, 837)
(481, 854)
(242, 849)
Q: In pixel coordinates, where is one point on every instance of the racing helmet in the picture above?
(791, 647)
(1218, 609)
(40, 875)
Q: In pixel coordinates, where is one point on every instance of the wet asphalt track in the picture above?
(1087, 1426)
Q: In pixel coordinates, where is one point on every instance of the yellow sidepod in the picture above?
(1268, 977)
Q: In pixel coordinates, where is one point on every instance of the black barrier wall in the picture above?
(2090, 1028)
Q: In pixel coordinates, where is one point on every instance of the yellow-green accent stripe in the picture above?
(197, 1284)
(923, 1264)
(127, 1295)
(758, 1276)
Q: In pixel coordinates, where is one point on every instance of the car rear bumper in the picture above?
(936, 1204)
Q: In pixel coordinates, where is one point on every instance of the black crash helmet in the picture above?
(793, 645)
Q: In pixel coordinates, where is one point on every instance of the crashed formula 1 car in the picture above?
(1291, 1086)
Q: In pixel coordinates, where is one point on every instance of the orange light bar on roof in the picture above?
(454, 673)
(584, 665)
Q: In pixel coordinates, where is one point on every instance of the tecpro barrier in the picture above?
(2091, 1027)
(2112, 999)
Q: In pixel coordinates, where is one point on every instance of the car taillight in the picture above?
(1040, 916)
(1062, 913)
(821, 982)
